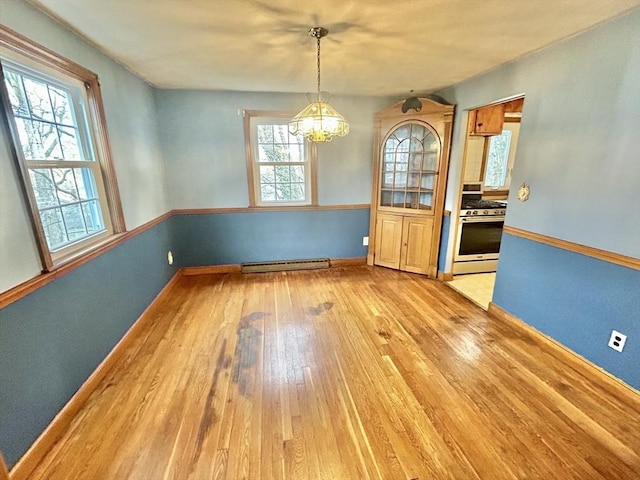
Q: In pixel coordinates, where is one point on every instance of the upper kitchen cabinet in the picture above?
(488, 120)
(411, 160)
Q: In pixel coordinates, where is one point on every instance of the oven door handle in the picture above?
(482, 219)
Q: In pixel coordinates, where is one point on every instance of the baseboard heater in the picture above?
(283, 265)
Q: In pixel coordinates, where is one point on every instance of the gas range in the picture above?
(483, 208)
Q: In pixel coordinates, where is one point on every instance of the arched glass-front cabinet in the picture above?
(410, 164)
(409, 167)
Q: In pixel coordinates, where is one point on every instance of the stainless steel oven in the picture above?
(479, 232)
(479, 238)
(478, 242)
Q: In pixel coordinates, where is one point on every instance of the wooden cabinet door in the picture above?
(489, 120)
(417, 233)
(388, 240)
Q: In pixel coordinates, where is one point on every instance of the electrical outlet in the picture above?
(365, 241)
(617, 340)
(170, 257)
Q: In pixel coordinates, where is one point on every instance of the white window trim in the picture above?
(38, 61)
(253, 118)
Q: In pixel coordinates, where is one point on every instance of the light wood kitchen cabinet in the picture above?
(404, 242)
(488, 120)
(411, 160)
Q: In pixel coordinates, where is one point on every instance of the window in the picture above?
(497, 158)
(280, 166)
(500, 156)
(53, 110)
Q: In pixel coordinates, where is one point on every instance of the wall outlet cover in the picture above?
(365, 241)
(617, 340)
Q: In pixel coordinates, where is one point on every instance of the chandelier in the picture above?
(319, 121)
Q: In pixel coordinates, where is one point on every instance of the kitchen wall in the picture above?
(579, 150)
(474, 159)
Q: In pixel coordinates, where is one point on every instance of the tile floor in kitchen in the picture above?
(477, 287)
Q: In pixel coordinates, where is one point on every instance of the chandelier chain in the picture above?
(318, 62)
(319, 121)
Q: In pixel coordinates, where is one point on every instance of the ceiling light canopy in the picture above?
(319, 121)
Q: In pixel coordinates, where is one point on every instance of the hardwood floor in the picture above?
(347, 373)
(4, 472)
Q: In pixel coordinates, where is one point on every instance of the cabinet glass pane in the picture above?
(398, 199)
(416, 161)
(429, 161)
(414, 180)
(426, 200)
(428, 181)
(409, 167)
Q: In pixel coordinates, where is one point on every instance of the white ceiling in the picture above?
(374, 47)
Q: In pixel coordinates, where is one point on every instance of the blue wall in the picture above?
(575, 299)
(202, 139)
(231, 238)
(52, 339)
(444, 238)
(578, 136)
(50, 346)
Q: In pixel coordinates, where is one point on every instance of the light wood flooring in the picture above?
(347, 373)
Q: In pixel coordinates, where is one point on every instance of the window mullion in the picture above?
(61, 164)
(55, 123)
(79, 203)
(86, 146)
(26, 97)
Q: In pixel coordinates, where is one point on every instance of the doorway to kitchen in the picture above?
(489, 156)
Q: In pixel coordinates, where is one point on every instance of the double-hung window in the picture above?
(54, 115)
(500, 157)
(281, 167)
(497, 166)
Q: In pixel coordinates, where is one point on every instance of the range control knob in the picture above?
(486, 212)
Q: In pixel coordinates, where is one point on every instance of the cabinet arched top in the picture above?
(397, 131)
(427, 107)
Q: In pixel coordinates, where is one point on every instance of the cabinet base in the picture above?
(481, 266)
